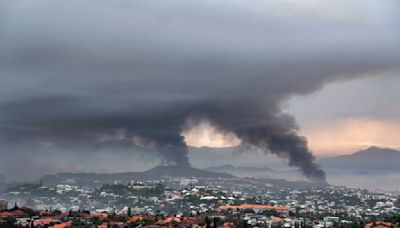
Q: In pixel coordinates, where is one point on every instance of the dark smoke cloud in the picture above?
(278, 136)
(80, 75)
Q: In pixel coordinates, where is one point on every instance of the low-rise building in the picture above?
(3, 205)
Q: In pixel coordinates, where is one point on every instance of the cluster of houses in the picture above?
(210, 202)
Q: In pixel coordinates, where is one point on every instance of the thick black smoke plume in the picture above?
(82, 75)
(265, 129)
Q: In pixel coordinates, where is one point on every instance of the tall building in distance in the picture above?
(3, 205)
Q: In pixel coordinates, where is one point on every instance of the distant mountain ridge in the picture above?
(223, 168)
(152, 174)
(258, 172)
(373, 158)
(183, 171)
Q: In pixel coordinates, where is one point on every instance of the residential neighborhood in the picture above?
(197, 202)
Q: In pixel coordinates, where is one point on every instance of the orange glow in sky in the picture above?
(335, 137)
(350, 135)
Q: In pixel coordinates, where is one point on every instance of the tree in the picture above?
(215, 223)
(208, 223)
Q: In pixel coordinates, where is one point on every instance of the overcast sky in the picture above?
(147, 79)
(354, 115)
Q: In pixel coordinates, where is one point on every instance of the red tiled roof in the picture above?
(18, 212)
(228, 225)
(191, 221)
(152, 226)
(169, 220)
(44, 221)
(105, 224)
(63, 225)
(6, 214)
(378, 224)
(136, 218)
(102, 215)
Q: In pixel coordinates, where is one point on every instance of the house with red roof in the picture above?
(172, 219)
(379, 224)
(45, 221)
(6, 214)
(63, 225)
(136, 218)
(112, 224)
(229, 225)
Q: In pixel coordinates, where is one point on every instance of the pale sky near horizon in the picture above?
(340, 118)
(348, 116)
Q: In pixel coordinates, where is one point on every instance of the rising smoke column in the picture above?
(171, 147)
(265, 128)
(284, 143)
